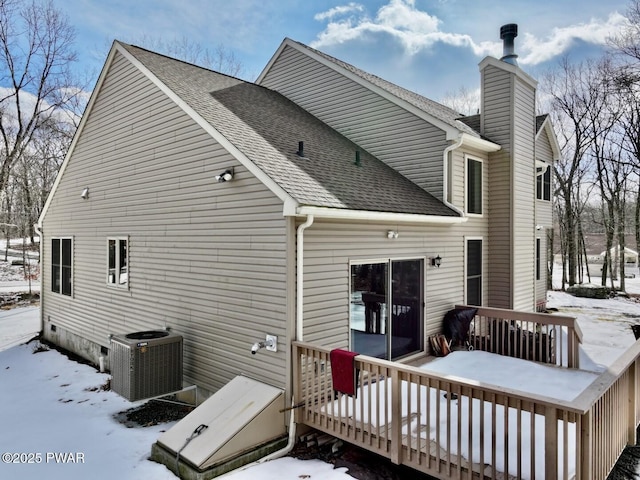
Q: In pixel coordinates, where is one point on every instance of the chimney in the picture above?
(507, 34)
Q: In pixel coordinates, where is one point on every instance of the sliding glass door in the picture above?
(386, 316)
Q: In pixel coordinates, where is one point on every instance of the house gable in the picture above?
(204, 256)
(405, 130)
(546, 138)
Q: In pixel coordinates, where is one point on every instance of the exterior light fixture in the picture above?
(85, 193)
(392, 234)
(436, 261)
(225, 176)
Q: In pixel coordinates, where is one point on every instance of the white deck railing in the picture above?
(541, 337)
(455, 428)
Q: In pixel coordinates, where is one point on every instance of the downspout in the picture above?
(38, 229)
(445, 183)
(299, 336)
(300, 277)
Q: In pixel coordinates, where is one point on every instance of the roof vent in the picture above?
(357, 161)
(507, 34)
(300, 151)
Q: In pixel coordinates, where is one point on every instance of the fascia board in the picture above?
(547, 127)
(344, 214)
(273, 59)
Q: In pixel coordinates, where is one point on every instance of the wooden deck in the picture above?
(461, 429)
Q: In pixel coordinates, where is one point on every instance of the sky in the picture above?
(432, 47)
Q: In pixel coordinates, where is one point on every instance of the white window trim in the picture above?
(468, 157)
(72, 267)
(119, 286)
(541, 169)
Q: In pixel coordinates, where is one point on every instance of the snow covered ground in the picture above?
(58, 423)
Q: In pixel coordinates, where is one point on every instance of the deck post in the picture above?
(550, 443)
(631, 387)
(396, 418)
(297, 390)
(586, 447)
(571, 349)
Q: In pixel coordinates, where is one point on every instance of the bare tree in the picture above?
(464, 101)
(35, 82)
(627, 41)
(627, 45)
(575, 96)
(220, 58)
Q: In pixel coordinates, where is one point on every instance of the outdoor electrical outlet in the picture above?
(274, 346)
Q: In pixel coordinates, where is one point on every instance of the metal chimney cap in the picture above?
(509, 30)
(508, 33)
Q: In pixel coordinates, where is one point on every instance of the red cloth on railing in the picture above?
(343, 371)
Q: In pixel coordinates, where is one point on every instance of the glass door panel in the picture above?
(406, 307)
(368, 315)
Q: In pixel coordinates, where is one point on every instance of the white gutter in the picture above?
(345, 214)
(445, 176)
(300, 277)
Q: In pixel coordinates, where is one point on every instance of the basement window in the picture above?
(62, 265)
(118, 262)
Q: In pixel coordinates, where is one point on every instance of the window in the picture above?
(61, 265)
(538, 252)
(386, 311)
(474, 272)
(543, 183)
(474, 186)
(118, 262)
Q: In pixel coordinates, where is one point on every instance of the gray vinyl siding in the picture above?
(397, 137)
(330, 247)
(524, 198)
(509, 120)
(497, 118)
(544, 217)
(207, 259)
(544, 209)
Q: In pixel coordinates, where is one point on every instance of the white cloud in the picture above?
(402, 15)
(336, 11)
(561, 39)
(416, 30)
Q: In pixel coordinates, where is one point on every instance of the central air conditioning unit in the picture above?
(146, 364)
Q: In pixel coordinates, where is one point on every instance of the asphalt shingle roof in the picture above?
(266, 127)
